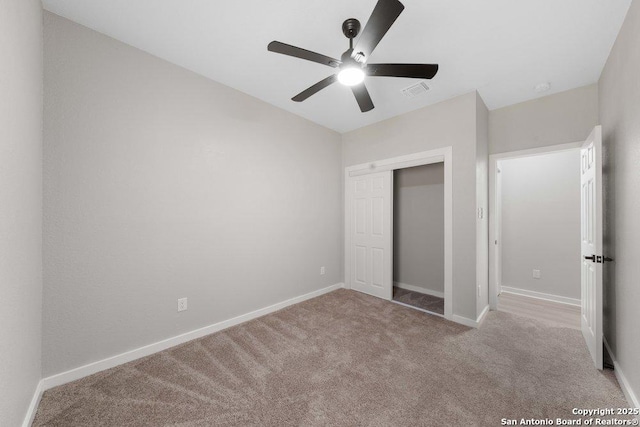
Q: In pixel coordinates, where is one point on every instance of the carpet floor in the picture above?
(419, 300)
(346, 359)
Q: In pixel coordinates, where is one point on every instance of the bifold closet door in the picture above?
(370, 233)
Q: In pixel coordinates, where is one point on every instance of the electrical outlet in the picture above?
(182, 304)
(478, 290)
(536, 274)
(322, 271)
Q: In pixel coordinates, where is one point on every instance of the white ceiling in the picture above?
(502, 48)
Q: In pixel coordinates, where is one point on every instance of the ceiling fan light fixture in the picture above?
(351, 76)
(353, 66)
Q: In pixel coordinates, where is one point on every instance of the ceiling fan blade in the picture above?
(315, 88)
(362, 96)
(383, 16)
(297, 52)
(415, 71)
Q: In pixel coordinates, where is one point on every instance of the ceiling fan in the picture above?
(353, 66)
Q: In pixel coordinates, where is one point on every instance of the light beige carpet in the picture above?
(346, 359)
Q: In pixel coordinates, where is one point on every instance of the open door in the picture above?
(369, 197)
(591, 243)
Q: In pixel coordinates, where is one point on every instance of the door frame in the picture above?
(440, 155)
(495, 217)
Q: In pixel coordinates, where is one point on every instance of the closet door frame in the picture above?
(441, 155)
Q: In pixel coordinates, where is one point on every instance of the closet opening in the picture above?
(419, 237)
(369, 230)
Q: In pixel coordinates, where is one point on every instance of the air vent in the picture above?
(415, 90)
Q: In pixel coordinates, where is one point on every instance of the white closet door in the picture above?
(591, 231)
(370, 229)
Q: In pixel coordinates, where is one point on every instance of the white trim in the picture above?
(448, 232)
(537, 151)
(495, 258)
(113, 361)
(400, 162)
(470, 322)
(418, 289)
(440, 155)
(33, 406)
(540, 295)
(465, 321)
(483, 315)
(631, 397)
(495, 234)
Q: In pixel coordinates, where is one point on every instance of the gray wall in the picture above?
(20, 205)
(449, 123)
(541, 223)
(555, 119)
(161, 184)
(418, 227)
(620, 117)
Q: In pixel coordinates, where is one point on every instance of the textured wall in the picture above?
(418, 226)
(162, 184)
(20, 206)
(541, 223)
(555, 119)
(449, 123)
(620, 118)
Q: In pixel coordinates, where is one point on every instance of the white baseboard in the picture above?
(632, 398)
(464, 321)
(470, 322)
(33, 406)
(483, 315)
(113, 361)
(419, 289)
(540, 295)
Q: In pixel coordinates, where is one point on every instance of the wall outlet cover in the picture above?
(322, 271)
(182, 304)
(536, 274)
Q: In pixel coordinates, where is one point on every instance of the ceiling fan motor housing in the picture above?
(347, 58)
(351, 28)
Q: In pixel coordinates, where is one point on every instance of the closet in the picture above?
(418, 237)
(399, 230)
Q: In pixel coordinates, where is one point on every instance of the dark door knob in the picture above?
(592, 258)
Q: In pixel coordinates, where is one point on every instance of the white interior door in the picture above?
(591, 243)
(370, 231)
